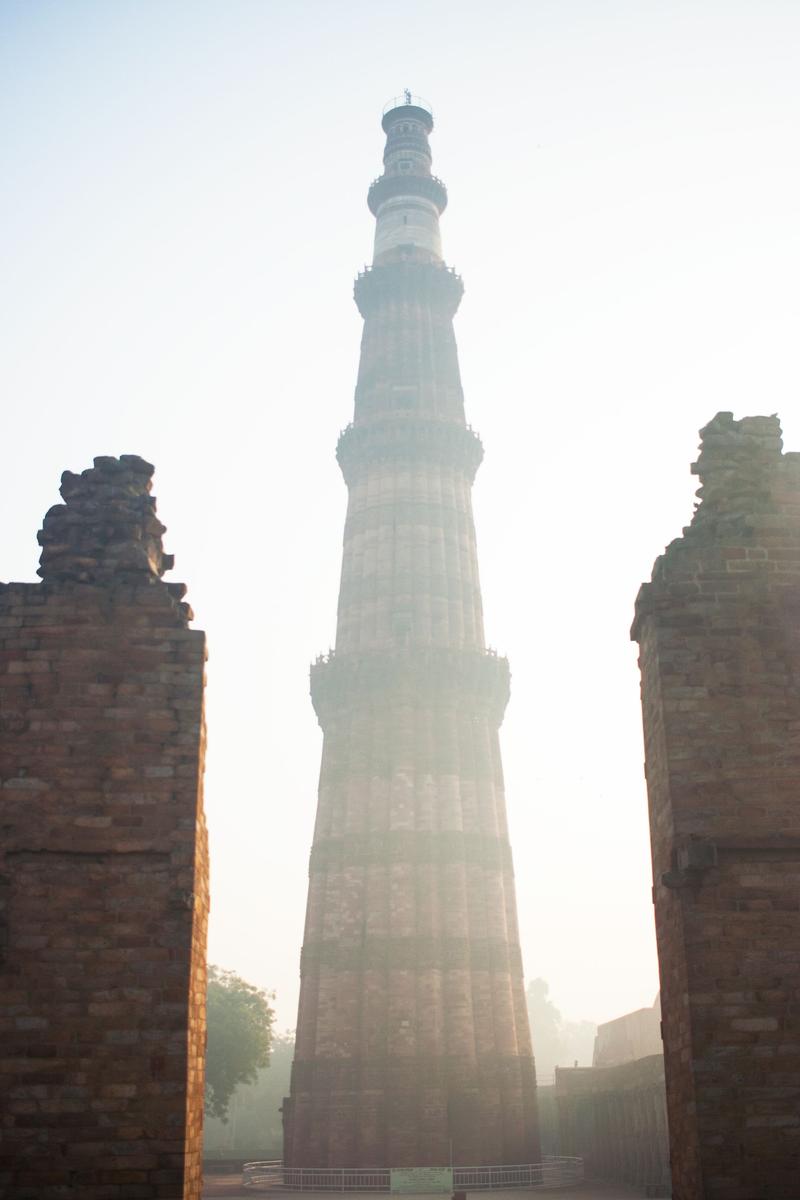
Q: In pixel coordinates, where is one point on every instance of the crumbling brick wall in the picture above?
(719, 633)
(103, 864)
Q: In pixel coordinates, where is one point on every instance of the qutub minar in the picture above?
(413, 1046)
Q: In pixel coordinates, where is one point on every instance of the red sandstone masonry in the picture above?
(103, 868)
(719, 631)
(413, 1046)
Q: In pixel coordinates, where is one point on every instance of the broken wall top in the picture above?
(107, 533)
(745, 531)
(106, 528)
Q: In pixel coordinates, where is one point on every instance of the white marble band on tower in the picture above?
(407, 199)
(407, 221)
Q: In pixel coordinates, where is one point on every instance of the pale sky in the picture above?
(182, 215)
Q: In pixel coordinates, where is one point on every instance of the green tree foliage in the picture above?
(556, 1042)
(239, 1036)
(254, 1128)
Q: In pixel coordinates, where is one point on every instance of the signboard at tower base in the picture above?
(420, 1181)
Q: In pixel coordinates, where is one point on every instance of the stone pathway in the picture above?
(229, 1187)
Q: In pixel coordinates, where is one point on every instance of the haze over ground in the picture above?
(183, 216)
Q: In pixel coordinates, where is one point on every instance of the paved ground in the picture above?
(223, 1185)
(230, 1187)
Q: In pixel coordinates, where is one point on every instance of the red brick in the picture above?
(93, 720)
(723, 778)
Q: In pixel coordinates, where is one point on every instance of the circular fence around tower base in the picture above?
(552, 1172)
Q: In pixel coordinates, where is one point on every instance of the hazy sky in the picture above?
(182, 215)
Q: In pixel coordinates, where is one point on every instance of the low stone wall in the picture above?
(548, 1119)
(615, 1118)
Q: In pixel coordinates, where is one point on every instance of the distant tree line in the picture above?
(556, 1042)
(254, 1127)
(239, 1020)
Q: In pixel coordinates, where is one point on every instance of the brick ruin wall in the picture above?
(615, 1119)
(103, 865)
(719, 635)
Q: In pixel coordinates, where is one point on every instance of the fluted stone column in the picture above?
(412, 1037)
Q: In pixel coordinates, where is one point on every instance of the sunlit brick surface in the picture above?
(719, 631)
(103, 865)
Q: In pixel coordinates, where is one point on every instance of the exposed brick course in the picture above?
(719, 632)
(103, 865)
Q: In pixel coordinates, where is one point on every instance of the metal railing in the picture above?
(553, 1172)
(433, 179)
(404, 101)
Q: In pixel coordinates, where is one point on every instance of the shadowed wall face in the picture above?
(615, 1119)
(412, 1035)
(103, 869)
(719, 632)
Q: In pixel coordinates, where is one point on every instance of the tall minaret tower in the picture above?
(412, 1034)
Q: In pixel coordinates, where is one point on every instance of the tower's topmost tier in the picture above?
(403, 105)
(407, 199)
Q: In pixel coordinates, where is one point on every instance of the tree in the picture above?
(556, 1042)
(546, 1023)
(240, 1021)
(254, 1128)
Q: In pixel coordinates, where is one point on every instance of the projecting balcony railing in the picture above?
(442, 268)
(432, 178)
(408, 436)
(389, 187)
(418, 283)
(553, 1172)
(479, 678)
(406, 101)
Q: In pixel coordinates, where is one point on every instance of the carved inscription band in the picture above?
(411, 846)
(351, 1074)
(413, 953)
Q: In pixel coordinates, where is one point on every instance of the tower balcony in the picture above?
(412, 107)
(387, 187)
(408, 283)
(476, 680)
(408, 439)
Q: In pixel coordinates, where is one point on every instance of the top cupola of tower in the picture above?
(407, 199)
(407, 108)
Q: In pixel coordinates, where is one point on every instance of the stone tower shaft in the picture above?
(412, 1036)
(407, 200)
